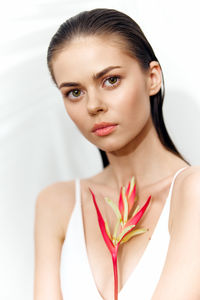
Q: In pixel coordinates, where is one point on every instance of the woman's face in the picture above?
(105, 92)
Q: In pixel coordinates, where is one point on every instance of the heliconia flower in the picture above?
(124, 228)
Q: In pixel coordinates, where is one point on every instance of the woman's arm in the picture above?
(180, 279)
(53, 209)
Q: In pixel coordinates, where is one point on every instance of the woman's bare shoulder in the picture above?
(187, 181)
(186, 194)
(57, 201)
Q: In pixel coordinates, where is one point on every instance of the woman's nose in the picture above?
(95, 104)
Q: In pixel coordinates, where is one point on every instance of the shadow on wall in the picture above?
(182, 119)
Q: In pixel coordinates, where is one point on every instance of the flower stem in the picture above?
(114, 259)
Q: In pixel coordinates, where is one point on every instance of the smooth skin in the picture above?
(120, 96)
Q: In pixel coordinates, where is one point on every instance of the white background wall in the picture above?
(39, 145)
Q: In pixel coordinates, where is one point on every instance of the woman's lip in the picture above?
(105, 130)
(102, 125)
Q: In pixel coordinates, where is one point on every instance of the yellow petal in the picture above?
(115, 232)
(124, 231)
(133, 233)
(114, 207)
(107, 229)
(125, 205)
(131, 186)
(136, 210)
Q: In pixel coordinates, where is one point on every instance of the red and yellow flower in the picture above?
(127, 219)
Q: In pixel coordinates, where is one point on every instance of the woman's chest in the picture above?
(130, 254)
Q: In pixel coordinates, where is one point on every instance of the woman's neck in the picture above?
(145, 158)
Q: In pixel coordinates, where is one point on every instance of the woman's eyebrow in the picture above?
(95, 77)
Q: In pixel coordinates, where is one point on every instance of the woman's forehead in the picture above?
(91, 46)
(86, 56)
(87, 49)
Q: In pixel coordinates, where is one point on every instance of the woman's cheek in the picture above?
(72, 112)
(136, 108)
(80, 121)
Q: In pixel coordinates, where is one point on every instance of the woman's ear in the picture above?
(155, 78)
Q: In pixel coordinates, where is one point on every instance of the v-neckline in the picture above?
(165, 207)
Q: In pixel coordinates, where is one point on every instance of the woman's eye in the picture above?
(113, 80)
(75, 93)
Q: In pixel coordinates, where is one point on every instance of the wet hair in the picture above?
(102, 22)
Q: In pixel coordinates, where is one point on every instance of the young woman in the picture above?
(111, 83)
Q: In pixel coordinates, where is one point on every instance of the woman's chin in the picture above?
(111, 147)
(111, 143)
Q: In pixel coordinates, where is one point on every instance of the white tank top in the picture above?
(76, 277)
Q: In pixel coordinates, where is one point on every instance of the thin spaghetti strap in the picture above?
(76, 207)
(172, 184)
(77, 190)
